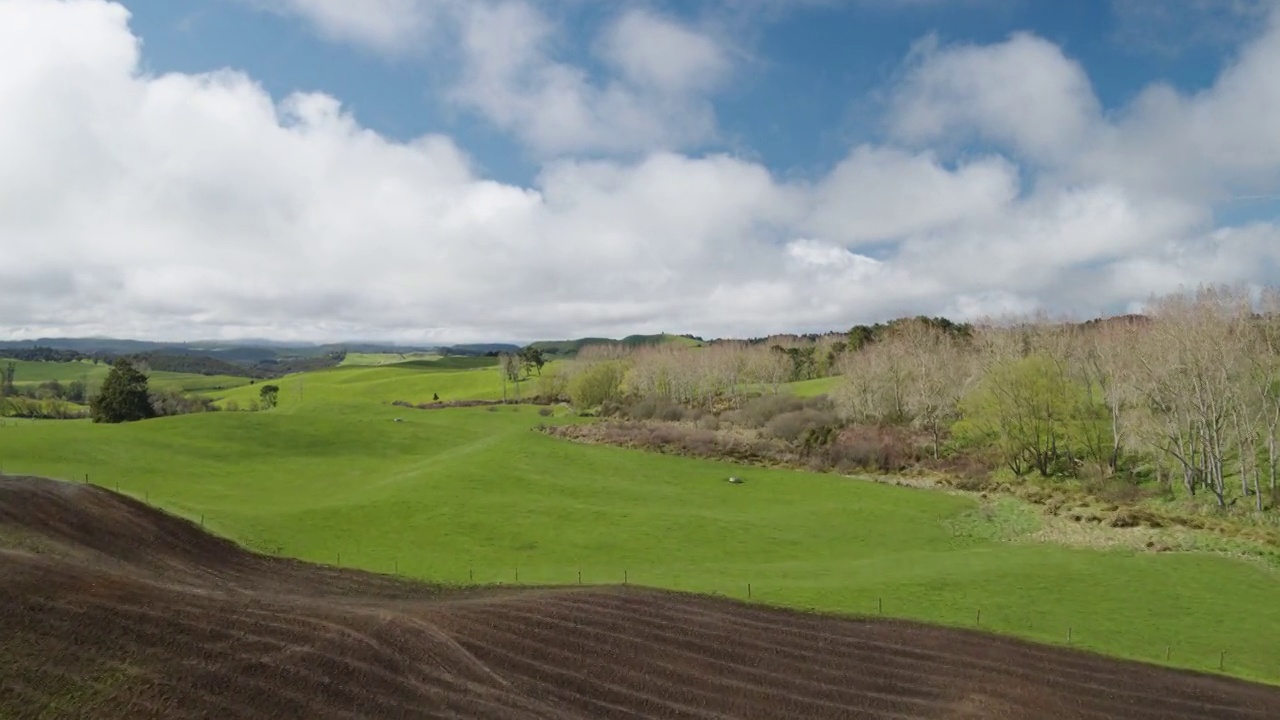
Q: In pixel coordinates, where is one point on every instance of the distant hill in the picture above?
(478, 349)
(566, 348)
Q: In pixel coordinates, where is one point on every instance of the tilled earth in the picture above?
(109, 609)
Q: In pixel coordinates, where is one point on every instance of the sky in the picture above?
(452, 171)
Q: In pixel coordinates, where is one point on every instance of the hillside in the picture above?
(566, 348)
(116, 610)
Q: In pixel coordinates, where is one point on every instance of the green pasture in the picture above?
(353, 358)
(477, 494)
(815, 387)
(33, 373)
(460, 378)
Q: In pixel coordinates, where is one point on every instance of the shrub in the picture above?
(671, 413)
(758, 412)
(872, 448)
(166, 403)
(596, 384)
(792, 426)
(545, 412)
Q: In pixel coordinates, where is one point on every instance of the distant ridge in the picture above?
(565, 348)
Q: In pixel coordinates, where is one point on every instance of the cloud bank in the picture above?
(194, 206)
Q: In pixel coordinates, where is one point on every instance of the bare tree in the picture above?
(1191, 377)
(939, 374)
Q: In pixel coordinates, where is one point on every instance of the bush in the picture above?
(758, 412)
(873, 449)
(671, 413)
(546, 412)
(171, 402)
(596, 384)
(792, 426)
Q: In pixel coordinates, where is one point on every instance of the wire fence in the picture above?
(1028, 626)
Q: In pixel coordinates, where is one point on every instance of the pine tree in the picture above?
(124, 396)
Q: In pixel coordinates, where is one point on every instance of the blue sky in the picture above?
(805, 95)
(440, 170)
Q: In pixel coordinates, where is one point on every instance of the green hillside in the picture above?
(450, 495)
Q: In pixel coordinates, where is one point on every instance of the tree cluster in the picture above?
(1190, 390)
(1187, 395)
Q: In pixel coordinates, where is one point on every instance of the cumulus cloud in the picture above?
(187, 206)
(1023, 93)
(657, 96)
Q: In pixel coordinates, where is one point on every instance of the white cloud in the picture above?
(656, 99)
(879, 194)
(392, 26)
(1023, 93)
(663, 56)
(197, 205)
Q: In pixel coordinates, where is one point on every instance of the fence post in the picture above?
(471, 575)
(979, 623)
(624, 577)
(1222, 656)
(1068, 634)
(880, 606)
(396, 571)
(86, 478)
(517, 574)
(579, 577)
(748, 591)
(1168, 650)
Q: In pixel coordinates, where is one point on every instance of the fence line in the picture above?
(746, 591)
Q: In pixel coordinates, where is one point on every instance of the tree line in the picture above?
(1187, 394)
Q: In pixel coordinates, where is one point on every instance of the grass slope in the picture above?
(452, 378)
(445, 494)
(813, 388)
(361, 358)
(33, 373)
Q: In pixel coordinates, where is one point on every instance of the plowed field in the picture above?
(109, 609)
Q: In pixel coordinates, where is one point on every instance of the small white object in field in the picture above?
(735, 480)
(399, 420)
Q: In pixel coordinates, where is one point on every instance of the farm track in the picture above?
(111, 609)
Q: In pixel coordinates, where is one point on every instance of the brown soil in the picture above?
(109, 609)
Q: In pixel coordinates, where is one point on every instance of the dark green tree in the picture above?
(532, 359)
(270, 395)
(124, 396)
(6, 380)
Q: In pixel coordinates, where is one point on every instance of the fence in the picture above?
(856, 605)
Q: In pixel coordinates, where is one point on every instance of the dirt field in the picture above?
(111, 610)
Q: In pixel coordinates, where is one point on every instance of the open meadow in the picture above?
(478, 495)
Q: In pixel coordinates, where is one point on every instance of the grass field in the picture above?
(33, 373)
(28, 373)
(386, 358)
(815, 387)
(448, 495)
(452, 378)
